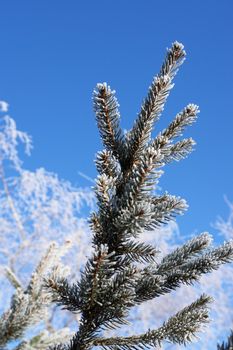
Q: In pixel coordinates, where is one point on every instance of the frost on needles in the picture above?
(227, 345)
(129, 168)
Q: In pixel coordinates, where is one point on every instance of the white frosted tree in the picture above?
(225, 226)
(40, 218)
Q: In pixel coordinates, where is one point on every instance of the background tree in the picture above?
(225, 226)
(41, 217)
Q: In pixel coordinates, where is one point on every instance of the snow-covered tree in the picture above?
(225, 226)
(41, 216)
(123, 271)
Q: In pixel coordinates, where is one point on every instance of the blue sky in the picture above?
(54, 52)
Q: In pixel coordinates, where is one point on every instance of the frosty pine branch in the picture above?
(113, 281)
(29, 305)
(227, 345)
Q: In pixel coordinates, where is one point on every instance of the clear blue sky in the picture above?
(53, 52)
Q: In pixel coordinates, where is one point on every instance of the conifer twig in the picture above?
(180, 328)
(108, 119)
(154, 103)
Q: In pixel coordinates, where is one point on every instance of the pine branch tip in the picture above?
(178, 47)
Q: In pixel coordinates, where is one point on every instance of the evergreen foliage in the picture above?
(113, 281)
(228, 345)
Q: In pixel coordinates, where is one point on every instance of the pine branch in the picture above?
(209, 261)
(166, 207)
(138, 252)
(134, 218)
(44, 340)
(106, 299)
(99, 234)
(34, 286)
(111, 312)
(28, 306)
(142, 178)
(61, 347)
(130, 226)
(108, 119)
(178, 150)
(63, 293)
(189, 250)
(228, 345)
(180, 329)
(104, 190)
(145, 174)
(156, 281)
(107, 164)
(163, 141)
(187, 117)
(148, 214)
(12, 278)
(95, 278)
(153, 105)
